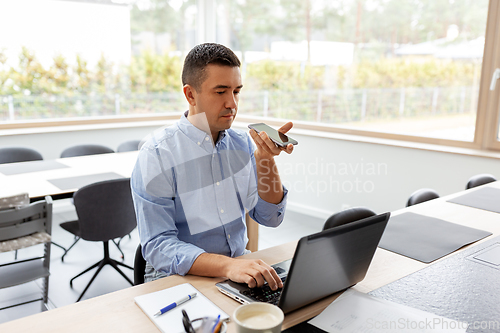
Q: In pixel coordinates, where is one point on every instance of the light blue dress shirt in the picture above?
(190, 197)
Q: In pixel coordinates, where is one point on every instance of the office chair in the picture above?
(347, 216)
(481, 179)
(132, 145)
(422, 195)
(105, 211)
(21, 154)
(83, 150)
(24, 225)
(139, 266)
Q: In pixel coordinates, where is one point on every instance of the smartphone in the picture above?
(278, 138)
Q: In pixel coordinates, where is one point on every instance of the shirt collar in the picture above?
(196, 134)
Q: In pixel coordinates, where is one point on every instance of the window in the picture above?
(94, 58)
(403, 67)
(415, 70)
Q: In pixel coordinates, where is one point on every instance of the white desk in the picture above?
(37, 185)
(117, 312)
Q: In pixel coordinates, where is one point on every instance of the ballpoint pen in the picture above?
(175, 304)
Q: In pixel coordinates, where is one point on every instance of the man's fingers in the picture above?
(257, 139)
(261, 143)
(277, 278)
(270, 275)
(260, 140)
(250, 281)
(271, 280)
(255, 273)
(257, 276)
(285, 128)
(269, 143)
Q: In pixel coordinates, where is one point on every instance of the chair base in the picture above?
(69, 248)
(76, 241)
(105, 261)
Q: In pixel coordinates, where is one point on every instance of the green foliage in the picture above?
(146, 73)
(58, 74)
(395, 73)
(82, 76)
(289, 76)
(30, 75)
(154, 73)
(384, 73)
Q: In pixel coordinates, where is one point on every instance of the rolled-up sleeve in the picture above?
(153, 192)
(268, 214)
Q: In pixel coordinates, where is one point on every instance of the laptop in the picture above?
(323, 264)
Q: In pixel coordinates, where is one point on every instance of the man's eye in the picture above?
(220, 92)
(236, 92)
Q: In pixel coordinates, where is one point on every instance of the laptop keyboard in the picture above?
(279, 270)
(264, 293)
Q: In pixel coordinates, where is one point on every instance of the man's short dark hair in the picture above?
(194, 73)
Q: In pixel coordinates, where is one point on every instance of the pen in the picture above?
(173, 305)
(216, 327)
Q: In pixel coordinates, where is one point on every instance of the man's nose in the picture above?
(232, 102)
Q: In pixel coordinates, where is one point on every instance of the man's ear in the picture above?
(189, 93)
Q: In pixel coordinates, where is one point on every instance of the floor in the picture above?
(84, 254)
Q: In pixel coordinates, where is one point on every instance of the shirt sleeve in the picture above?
(265, 213)
(153, 192)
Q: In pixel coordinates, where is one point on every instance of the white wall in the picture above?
(51, 144)
(340, 174)
(323, 175)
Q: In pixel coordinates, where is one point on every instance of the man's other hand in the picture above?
(253, 272)
(266, 148)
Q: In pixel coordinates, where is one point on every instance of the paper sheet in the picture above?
(355, 312)
(171, 321)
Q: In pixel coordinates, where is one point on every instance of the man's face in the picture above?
(218, 97)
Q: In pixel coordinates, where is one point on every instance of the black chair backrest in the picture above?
(82, 150)
(129, 146)
(139, 266)
(105, 210)
(422, 195)
(348, 216)
(19, 154)
(478, 180)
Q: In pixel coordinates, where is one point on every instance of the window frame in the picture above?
(488, 114)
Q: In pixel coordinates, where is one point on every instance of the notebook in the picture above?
(171, 321)
(324, 263)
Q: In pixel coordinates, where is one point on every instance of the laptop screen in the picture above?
(324, 263)
(331, 260)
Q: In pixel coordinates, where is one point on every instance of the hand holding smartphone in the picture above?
(280, 139)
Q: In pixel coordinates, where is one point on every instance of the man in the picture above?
(193, 180)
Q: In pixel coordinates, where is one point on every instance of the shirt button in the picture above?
(222, 210)
(199, 143)
(217, 183)
(229, 236)
(206, 139)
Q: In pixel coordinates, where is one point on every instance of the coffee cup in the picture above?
(258, 318)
